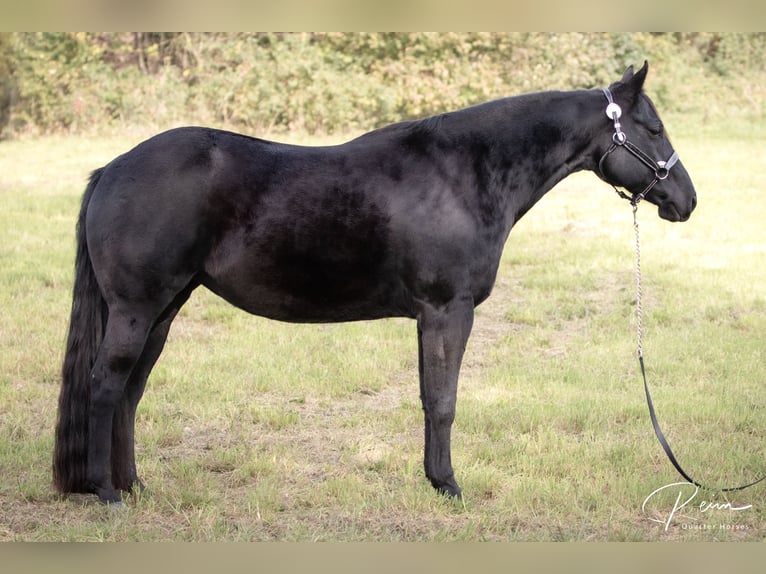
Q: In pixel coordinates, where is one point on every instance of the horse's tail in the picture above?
(86, 330)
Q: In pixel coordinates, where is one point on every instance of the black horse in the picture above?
(409, 220)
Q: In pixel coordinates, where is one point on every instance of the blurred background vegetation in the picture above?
(326, 83)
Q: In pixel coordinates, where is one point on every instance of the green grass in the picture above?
(256, 430)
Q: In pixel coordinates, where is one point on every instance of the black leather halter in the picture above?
(661, 169)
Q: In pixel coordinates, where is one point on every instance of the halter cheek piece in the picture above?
(661, 169)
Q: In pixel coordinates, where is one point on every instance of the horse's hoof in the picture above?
(449, 489)
(136, 487)
(108, 496)
(450, 492)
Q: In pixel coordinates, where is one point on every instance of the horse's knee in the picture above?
(441, 415)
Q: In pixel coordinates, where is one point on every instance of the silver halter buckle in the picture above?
(614, 112)
(661, 172)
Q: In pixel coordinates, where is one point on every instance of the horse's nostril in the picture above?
(694, 201)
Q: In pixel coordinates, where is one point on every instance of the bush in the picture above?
(7, 86)
(340, 82)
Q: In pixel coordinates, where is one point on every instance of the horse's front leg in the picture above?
(442, 335)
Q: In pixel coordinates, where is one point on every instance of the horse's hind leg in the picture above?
(123, 458)
(121, 348)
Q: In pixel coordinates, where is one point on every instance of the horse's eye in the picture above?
(656, 130)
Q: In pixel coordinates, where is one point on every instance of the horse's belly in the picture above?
(308, 289)
(323, 303)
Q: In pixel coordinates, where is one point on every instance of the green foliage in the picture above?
(732, 54)
(322, 83)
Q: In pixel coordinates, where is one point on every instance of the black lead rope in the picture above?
(669, 451)
(657, 430)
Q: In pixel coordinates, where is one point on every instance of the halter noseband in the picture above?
(661, 169)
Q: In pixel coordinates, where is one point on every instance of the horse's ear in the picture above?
(639, 77)
(627, 75)
(631, 84)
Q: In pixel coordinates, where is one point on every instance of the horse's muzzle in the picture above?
(670, 211)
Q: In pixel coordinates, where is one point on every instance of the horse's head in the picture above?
(637, 154)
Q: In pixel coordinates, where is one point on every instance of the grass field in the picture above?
(256, 430)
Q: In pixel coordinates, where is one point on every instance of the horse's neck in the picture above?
(535, 141)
